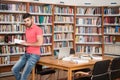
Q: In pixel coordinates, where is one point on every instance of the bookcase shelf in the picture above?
(111, 29)
(95, 43)
(88, 35)
(12, 54)
(63, 26)
(42, 14)
(11, 27)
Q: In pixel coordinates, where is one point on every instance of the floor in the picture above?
(62, 76)
(7, 78)
(43, 78)
(12, 78)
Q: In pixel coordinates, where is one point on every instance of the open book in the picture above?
(18, 41)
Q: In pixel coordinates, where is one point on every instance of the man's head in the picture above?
(28, 20)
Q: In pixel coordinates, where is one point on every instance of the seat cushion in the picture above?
(46, 71)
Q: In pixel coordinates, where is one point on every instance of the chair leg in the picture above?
(58, 75)
(48, 77)
(40, 78)
(54, 75)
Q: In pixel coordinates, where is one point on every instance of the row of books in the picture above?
(11, 49)
(42, 19)
(11, 18)
(87, 38)
(68, 10)
(46, 29)
(62, 28)
(17, 50)
(4, 60)
(112, 10)
(45, 49)
(12, 28)
(88, 20)
(88, 10)
(88, 30)
(48, 19)
(60, 36)
(13, 7)
(112, 29)
(63, 44)
(109, 39)
(112, 20)
(10, 38)
(40, 8)
(47, 39)
(89, 49)
(64, 18)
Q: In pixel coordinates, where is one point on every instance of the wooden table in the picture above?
(64, 65)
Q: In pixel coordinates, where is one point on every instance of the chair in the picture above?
(99, 72)
(45, 71)
(115, 69)
(72, 51)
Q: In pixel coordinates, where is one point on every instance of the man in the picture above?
(34, 38)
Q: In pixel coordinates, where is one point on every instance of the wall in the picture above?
(77, 2)
(82, 2)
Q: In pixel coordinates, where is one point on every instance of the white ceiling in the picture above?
(99, 2)
(77, 2)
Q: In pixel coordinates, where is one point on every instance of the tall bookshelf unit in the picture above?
(111, 29)
(63, 26)
(42, 14)
(88, 35)
(11, 27)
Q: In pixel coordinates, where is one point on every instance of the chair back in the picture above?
(100, 70)
(115, 68)
(38, 68)
(72, 51)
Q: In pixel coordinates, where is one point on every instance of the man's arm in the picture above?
(37, 43)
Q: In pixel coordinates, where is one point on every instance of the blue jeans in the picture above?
(25, 64)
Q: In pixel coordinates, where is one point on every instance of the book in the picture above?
(18, 41)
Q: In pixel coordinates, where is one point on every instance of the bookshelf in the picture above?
(111, 29)
(11, 27)
(42, 14)
(88, 35)
(63, 26)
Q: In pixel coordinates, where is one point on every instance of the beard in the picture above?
(28, 25)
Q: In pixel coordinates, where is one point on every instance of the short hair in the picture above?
(26, 15)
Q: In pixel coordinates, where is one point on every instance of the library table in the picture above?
(64, 65)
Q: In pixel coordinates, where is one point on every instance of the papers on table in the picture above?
(97, 57)
(76, 60)
(82, 59)
(91, 57)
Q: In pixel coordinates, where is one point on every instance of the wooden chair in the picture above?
(99, 72)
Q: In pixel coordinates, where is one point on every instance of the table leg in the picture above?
(33, 73)
(69, 74)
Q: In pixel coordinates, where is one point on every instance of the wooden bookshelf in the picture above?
(11, 27)
(88, 35)
(63, 26)
(111, 29)
(42, 14)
